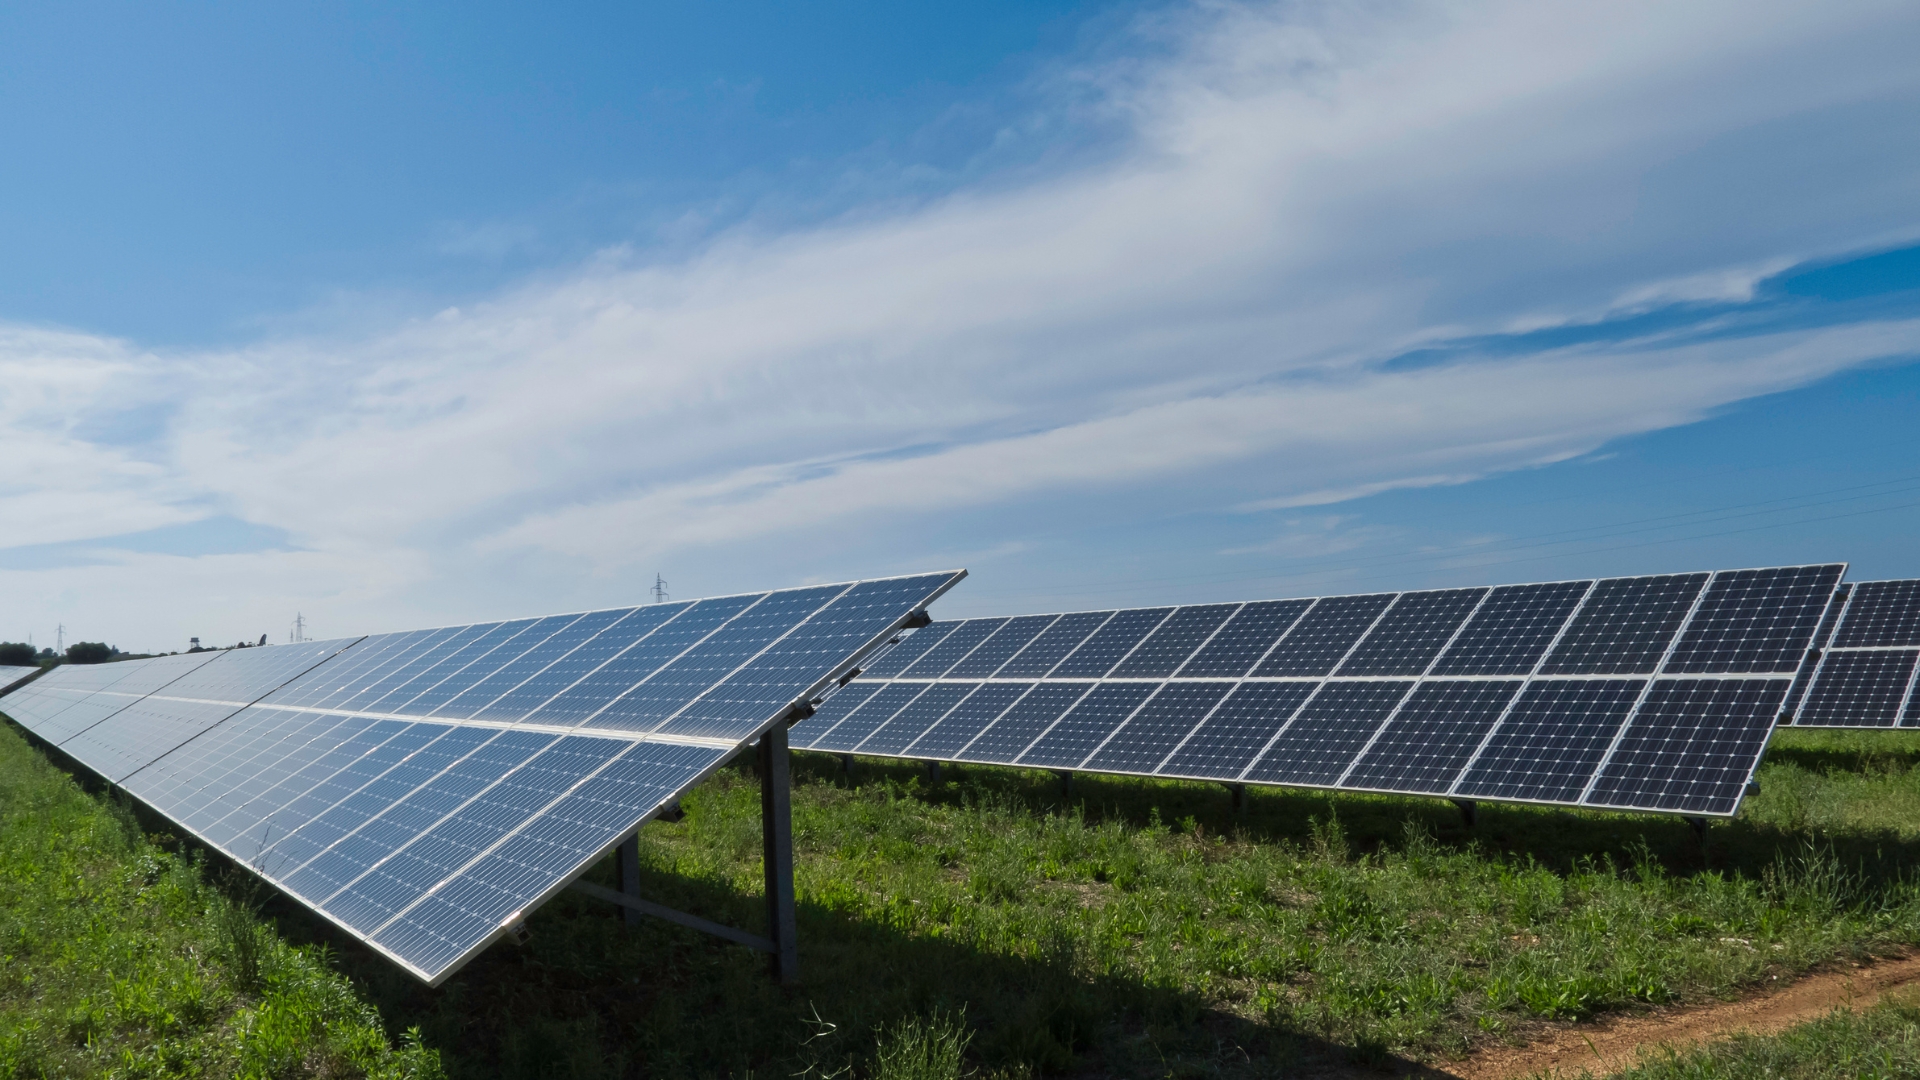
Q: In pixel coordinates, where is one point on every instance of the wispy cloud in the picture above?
(1301, 193)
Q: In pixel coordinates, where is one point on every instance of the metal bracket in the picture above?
(776, 833)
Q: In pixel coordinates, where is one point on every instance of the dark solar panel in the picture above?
(1882, 613)
(340, 773)
(1007, 737)
(1427, 742)
(1551, 742)
(1324, 635)
(867, 718)
(1411, 634)
(912, 647)
(1110, 644)
(1755, 621)
(911, 722)
(1244, 639)
(1086, 725)
(831, 711)
(1015, 635)
(1512, 629)
(1625, 626)
(1168, 647)
(1521, 692)
(1859, 689)
(1160, 725)
(967, 720)
(1053, 644)
(1821, 638)
(953, 648)
(1692, 746)
(1327, 733)
(1240, 727)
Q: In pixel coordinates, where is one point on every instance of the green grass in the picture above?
(1877, 1044)
(987, 924)
(118, 958)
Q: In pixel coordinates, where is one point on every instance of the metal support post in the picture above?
(776, 834)
(1469, 812)
(628, 860)
(1066, 783)
(933, 772)
(846, 764)
(1699, 827)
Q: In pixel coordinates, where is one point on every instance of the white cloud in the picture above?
(1307, 191)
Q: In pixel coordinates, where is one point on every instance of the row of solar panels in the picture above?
(11, 676)
(1866, 659)
(423, 790)
(1647, 693)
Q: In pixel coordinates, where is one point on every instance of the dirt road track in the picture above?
(1610, 1045)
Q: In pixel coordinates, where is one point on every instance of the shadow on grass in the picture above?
(1560, 840)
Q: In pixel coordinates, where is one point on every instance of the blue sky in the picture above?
(399, 319)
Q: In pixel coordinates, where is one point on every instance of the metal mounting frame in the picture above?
(776, 835)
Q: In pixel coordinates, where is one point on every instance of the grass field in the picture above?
(986, 923)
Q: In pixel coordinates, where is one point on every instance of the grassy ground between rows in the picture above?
(987, 923)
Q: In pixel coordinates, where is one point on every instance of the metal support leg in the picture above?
(776, 834)
(1066, 784)
(933, 772)
(846, 764)
(1699, 827)
(1469, 812)
(628, 861)
(1239, 797)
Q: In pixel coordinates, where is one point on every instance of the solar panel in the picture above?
(1647, 693)
(424, 790)
(11, 676)
(1865, 669)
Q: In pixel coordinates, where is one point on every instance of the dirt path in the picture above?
(1610, 1045)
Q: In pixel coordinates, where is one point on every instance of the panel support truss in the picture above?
(776, 833)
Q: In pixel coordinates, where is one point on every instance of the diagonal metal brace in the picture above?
(660, 911)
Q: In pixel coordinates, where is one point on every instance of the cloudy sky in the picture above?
(399, 319)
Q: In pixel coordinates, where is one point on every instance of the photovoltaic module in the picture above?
(1644, 693)
(425, 790)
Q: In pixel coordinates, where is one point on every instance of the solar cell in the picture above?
(1625, 626)
(1551, 741)
(1754, 621)
(911, 646)
(1052, 646)
(1519, 692)
(1881, 614)
(1160, 725)
(1169, 646)
(1326, 734)
(1821, 639)
(953, 648)
(833, 710)
(867, 718)
(1512, 629)
(1110, 644)
(1859, 689)
(1085, 725)
(1413, 633)
(1323, 636)
(1427, 742)
(1239, 728)
(1245, 638)
(1005, 738)
(967, 720)
(423, 789)
(913, 721)
(999, 648)
(1691, 746)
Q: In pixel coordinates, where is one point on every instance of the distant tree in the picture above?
(88, 652)
(17, 654)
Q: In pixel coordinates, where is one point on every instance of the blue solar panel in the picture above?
(424, 789)
(1526, 693)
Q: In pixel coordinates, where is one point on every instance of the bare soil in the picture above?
(1610, 1045)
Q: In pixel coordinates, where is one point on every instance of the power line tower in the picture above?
(60, 638)
(660, 589)
(299, 628)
